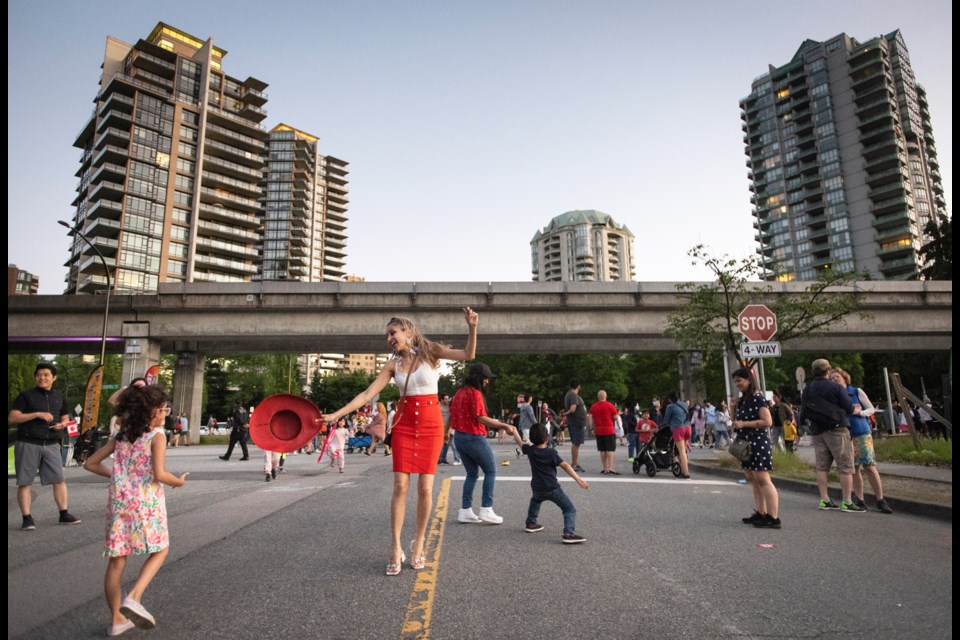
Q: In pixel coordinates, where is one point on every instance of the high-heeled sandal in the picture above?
(416, 562)
(393, 568)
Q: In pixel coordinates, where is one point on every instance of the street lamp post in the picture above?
(106, 271)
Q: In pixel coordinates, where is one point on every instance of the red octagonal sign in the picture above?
(757, 323)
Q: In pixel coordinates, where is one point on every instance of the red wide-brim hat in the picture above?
(285, 423)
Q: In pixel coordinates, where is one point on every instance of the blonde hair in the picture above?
(843, 374)
(428, 350)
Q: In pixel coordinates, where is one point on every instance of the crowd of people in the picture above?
(419, 431)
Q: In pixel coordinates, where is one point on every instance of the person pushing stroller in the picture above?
(543, 466)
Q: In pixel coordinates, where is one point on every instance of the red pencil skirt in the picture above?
(417, 438)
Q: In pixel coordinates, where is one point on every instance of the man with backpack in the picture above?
(826, 406)
(239, 431)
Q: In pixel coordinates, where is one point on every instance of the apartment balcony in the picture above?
(253, 96)
(116, 119)
(877, 179)
(885, 120)
(246, 188)
(904, 268)
(874, 136)
(108, 209)
(106, 190)
(116, 103)
(142, 75)
(154, 64)
(218, 212)
(883, 145)
(235, 122)
(103, 227)
(223, 264)
(215, 246)
(227, 136)
(113, 136)
(897, 250)
(111, 153)
(233, 154)
(107, 246)
(888, 191)
(253, 112)
(92, 284)
(92, 264)
(233, 169)
(904, 229)
(227, 232)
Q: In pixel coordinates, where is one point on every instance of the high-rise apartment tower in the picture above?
(582, 245)
(842, 161)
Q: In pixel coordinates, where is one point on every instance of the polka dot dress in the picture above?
(761, 456)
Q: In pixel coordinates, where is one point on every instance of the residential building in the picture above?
(20, 282)
(583, 245)
(842, 161)
(305, 213)
(170, 175)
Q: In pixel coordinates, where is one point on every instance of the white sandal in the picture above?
(393, 568)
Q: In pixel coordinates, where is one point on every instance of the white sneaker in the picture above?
(457, 463)
(487, 515)
(468, 516)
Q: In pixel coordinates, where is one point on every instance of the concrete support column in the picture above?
(139, 354)
(692, 387)
(188, 390)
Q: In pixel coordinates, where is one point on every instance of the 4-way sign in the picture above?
(758, 324)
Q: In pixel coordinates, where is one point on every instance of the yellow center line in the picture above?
(416, 622)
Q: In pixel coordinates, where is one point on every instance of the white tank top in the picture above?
(423, 381)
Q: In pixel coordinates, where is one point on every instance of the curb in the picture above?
(912, 507)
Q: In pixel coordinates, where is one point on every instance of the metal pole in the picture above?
(763, 379)
(106, 271)
(726, 376)
(891, 416)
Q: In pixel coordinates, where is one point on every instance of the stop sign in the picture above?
(757, 323)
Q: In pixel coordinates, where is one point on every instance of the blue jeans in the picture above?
(720, 435)
(476, 454)
(559, 498)
(632, 447)
(452, 447)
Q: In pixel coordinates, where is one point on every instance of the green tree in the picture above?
(338, 389)
(707, 319)
(217, 400)
(937, 254)
(19, 375)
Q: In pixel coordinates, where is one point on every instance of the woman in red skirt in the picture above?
(417, 435)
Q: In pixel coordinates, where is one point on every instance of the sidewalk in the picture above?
(906, 471)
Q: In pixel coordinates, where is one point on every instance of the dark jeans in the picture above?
(238, 435)
(559, 498)
(632, 446)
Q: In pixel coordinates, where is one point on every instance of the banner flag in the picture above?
(91, 400)
(152, 376)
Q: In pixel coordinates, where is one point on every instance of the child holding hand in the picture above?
(543, 465)
(136, 509)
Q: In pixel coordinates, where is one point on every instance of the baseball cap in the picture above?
(482, 369)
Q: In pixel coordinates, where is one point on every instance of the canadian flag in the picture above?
(72, 429)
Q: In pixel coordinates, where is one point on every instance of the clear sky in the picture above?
(468, 126)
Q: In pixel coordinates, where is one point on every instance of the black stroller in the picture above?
(658, 454)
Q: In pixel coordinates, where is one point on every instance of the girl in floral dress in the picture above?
(137, 510)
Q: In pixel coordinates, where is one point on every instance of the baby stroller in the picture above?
(658, 454)
(358, 442)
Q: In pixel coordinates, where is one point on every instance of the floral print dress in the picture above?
(137, 509)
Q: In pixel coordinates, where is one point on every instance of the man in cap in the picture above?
(825, 405)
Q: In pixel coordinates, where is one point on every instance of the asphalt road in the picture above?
(304, 557)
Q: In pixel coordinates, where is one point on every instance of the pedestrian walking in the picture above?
(238, 431)
(675, 417)
(136, 509)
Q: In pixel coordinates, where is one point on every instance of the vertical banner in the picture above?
(91, 400)
(152, 376)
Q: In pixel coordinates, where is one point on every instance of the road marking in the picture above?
(416, 622)
(628, 480)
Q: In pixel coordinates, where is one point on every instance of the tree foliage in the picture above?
(707, 321)
(937, 254)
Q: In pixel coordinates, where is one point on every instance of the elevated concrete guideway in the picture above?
(516, 317)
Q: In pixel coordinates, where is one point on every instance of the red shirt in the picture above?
(604, 413)
(646, 429)
(467, 405)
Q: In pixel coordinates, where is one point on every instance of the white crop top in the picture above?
(423, 381)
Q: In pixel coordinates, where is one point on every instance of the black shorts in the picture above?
(607, 443)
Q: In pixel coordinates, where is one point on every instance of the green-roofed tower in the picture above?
(583, 245)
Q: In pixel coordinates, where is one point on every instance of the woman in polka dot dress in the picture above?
(751, 419)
